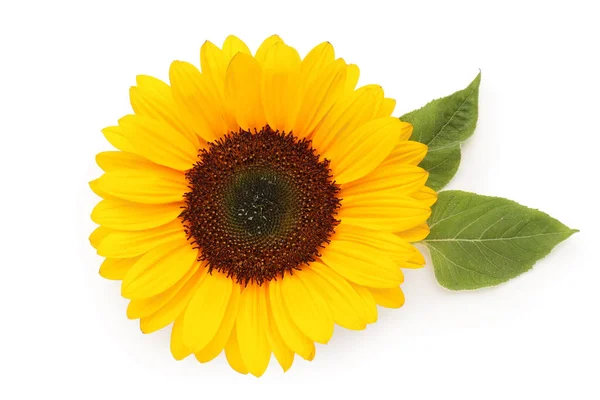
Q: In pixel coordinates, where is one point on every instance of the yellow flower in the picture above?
(258, 202)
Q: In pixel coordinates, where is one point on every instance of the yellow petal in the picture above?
(343, 301)
(116, 137)
(176, 306)
(321, 94)
(242, 92)
(116, 268)
(206, 310)
(387, 243)
(415, 234)
(234, 45)
(126, 244)
(217, 344)
(98, 235)
(407, 130)
(178, 348)
(280, 89)
(362, 264)
(347, 116)
(198, 101)
(158, 142)
(397, 178)
(149, 186)
(368, 310)
(359, 153)
(416, 257)
(426, 196)
(352, 76)
(407, 152)
(282, 352)
(98, 191)
(291, 335)
(387, 108)
(251, 326)
(151, 84)
(159, 269)
(127, 216)
(234, 357)
(152, 98)
(307, 307)
(389, 212)
(261, 53)
(139, 308)
(114, 160)
(316, 61)
(213, 63)
(389, 297)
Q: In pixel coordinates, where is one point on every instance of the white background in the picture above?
(65, 71)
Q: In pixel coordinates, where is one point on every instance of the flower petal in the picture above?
(306, 306)
(388, 297)
(407, 152)
(261, 53)
(116, 268)
(213, 63)
(387, 243)
(242, 92)
(316, 61)
(159, 142)
(251, 326)
(115, 160)
(217, 344)
(178, 348)
(415, 234)
(387, 108)
(369, 308)
(362, 264)
(291, 335)
(347, 116)
(206, 310)
(281, 351)
(149, 186)
(280, 89)
(143, 307)
(159, 269)
(128, 216)
(152, 98)
(352, 76)
(388, 212)
(174, 308)
(355, 155)
(320, 95)
(198, 100)
(234, 45)
(426, 196)
(343, 301)
(126, 244)
(116, 137)
(397, 178)
(98, 236)
(232, 352)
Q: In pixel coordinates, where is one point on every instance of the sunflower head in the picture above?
(258, 200)
(261, 204)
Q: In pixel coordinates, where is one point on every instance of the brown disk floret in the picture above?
(260, 204)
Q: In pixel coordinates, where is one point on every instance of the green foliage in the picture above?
(443, 124)
(479, 241)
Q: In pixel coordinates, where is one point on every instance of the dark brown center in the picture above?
(260, 204)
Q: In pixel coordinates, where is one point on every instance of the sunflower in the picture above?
(258, 201)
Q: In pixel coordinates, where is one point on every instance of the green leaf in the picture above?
(479, 241)
(442, 125)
